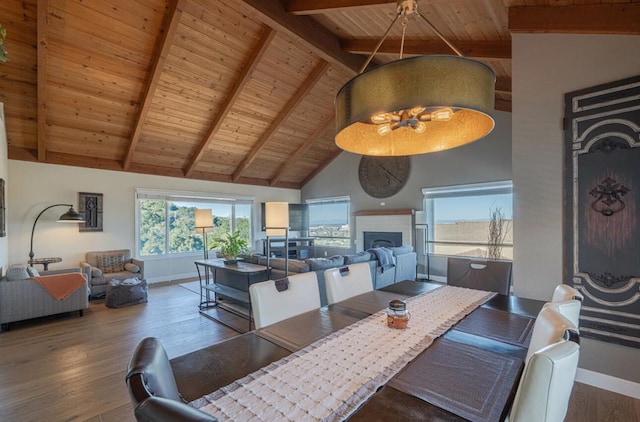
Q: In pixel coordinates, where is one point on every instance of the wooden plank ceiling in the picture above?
(230, 90)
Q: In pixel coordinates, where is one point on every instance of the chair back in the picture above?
(493, 276)
(550, 327)
(149, 373)
(345, 282)
(570, 309)
(299, 294)
(566, 292)
(160, 409)
(94, 256)
(546, 383)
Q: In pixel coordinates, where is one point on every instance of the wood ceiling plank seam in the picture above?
(301, 150)
(172, 21)
(42, 54)
(313, 7)
(132, 13)
(236, 89)
(605, 18)
(73, 78)
(97, 22)
(311, 80)
(321, 167)
(307, 30)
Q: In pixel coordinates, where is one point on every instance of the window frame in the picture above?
(206, 198)
(462, 190)
(332, 200)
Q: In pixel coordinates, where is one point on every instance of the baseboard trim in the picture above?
(609, 383)
(174, 277)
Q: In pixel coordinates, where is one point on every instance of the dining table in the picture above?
(464, 367)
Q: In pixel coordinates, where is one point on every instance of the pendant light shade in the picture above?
(71, 216)
(416, 105)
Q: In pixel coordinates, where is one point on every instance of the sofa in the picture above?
(22, 297)
(403, 267)
(100, 267)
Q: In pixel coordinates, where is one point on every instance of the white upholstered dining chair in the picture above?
(550, 327)
(275, 300)
(567, 301)
(345, 282)
(566, 292)
(546, 383)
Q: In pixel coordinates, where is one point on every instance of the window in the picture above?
(166, 220)
(329, 221)
(460, 220)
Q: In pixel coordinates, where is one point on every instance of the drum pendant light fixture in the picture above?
(415, 105)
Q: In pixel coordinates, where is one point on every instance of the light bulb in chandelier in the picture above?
(413, 118)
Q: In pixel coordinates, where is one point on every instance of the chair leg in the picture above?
(81, 312)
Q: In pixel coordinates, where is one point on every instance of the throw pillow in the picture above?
(131, 267)
(96, 272)
(33, 272)
(112, 263)
(17, 272)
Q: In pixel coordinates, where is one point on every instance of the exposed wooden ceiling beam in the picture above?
(609, 18)
(503, 85)
(503, 105)
(42, 55)
(302, 149)
(322, 41)
(321, 167)
(172, 20)
(232, 96)
(500, 49)
(313, 7)
(293, 102)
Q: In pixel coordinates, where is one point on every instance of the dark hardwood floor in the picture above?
(72, 369)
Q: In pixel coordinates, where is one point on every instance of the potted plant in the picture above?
(230, 246)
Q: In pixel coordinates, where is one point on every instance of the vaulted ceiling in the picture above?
(231, 90)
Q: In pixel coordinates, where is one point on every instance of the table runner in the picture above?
(465, 380)
(330, 378)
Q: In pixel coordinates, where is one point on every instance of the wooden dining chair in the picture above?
(160, 409)
(493, 276)
(546, 383)
(149, 373)
(275, 300)
(345, 282)
(550, 327)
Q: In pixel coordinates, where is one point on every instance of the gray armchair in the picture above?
(100, 267)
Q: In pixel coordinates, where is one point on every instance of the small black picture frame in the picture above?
(91, 206)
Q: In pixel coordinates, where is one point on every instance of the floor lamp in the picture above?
(276, 217)
(421, 224)
(204, 225)
(71, 216)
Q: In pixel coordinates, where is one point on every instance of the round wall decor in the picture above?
(382, 177)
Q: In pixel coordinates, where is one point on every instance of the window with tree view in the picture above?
(329, 221)
(471, 220)
(166, 225)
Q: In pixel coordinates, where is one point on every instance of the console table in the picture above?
(299, 247)
(229, 284)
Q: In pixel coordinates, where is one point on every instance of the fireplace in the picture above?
(382, 239)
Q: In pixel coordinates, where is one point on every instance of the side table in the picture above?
(45, 262)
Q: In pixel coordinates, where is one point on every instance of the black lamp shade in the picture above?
(71, 216)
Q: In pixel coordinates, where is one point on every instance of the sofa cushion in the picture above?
(402, 250)
(131, 267)
(111, 263)
(295, 265)
(325, 263)
(17, 272)
(363, 256)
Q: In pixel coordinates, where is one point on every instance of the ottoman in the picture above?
(126, 292)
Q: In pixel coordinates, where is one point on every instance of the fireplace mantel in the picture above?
(405, 211)
(398, 220)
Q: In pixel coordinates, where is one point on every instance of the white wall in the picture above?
(35, 186)
(545, 67)
(4, 174)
